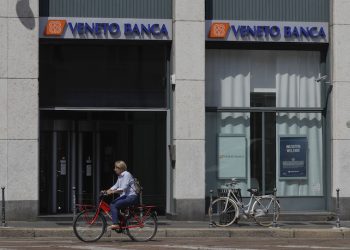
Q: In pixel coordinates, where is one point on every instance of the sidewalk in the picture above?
(170, 228)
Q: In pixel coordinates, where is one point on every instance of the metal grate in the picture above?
(222, 191)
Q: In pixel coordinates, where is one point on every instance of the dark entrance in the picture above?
(78, 149)
(101, 101)
(81, 82)
(263, 143)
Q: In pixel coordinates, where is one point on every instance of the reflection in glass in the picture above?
(310, 126)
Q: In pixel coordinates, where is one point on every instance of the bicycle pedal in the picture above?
(244, 216)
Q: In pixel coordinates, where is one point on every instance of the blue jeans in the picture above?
(121, 202)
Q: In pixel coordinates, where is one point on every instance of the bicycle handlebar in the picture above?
(103, 193)
(233, 182)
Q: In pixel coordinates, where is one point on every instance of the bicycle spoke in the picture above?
(88, 226)
(264, 211)
(223, 212)
(142, 227)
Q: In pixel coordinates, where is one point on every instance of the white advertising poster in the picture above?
(232, 156)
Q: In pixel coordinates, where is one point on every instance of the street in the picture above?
(123, 243)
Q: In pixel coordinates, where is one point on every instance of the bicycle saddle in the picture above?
(253, 191)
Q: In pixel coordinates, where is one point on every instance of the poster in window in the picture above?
(88, 167)
(231, 156)
(293, 157)
(63, 166)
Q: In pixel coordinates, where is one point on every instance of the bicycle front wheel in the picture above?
(263, 211)
(88, 226)
(223, 212)
(141, 227)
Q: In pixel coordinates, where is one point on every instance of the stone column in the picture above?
(340, 63)
(188, 66)
(19, 167)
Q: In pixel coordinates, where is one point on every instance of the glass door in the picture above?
(62, 171)
(86, 167)
(263, 143)
(113, 146)
(81, 154)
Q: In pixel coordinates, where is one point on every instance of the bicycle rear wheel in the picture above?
(141, 227)
(263, 211)
(220, 216)
(88, 226)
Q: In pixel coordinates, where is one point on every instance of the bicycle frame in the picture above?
(138, 222)
(246, 208)
(229, 206)
(231, 195)
(104, 206)
(273, 198)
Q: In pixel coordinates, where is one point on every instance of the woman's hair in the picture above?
(121, 165)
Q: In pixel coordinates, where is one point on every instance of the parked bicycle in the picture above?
(139, 222)
(226, 210)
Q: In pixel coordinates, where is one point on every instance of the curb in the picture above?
(329, 233)
(339, 233)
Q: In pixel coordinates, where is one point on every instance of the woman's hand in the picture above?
(103, 192)
(109, 191)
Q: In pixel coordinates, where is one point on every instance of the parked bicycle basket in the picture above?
(222, 192)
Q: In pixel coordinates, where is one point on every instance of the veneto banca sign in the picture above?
(105, 28)
(263, 31)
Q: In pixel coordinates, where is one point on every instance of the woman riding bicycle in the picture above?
(125, 188)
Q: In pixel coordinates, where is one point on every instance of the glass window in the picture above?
(227, 149)
(232, 75)
(299, 149)
(87, 74)
(264, 149)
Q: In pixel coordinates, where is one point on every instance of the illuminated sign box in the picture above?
(264, 31)
(105, 28)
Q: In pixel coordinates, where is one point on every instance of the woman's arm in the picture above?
(111, 191)
(114, 189)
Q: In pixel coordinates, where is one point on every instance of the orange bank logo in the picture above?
(55, 27)
(218, 30)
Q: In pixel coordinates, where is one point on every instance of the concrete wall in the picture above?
(188, 64)
(340, 65)
(19, 107)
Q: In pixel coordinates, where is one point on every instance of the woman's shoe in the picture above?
(113, 227)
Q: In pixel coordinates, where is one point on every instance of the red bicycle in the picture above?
(139, 222)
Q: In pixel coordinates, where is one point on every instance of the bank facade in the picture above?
(189, 93)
